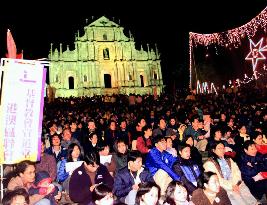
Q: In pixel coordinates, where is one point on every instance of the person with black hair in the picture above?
(210, 193)
(91, 143)
(127, 180)
(16, 197)
(111, 136)
(252, 166)
(102, 195)
(215, 136)
(199, 140)
(25, 177)
(120, 157)
(43, 185)
(124, 132)
(106, 158)
(257, 138)
(194, 154)
(229, 175)
(47, 162)
(144, 143)
(176, 194)
(74, 157)
(148, 193)
(160, 162)
(140, 123)
(56, 149)
(164, 130)
(188, 170)
(85, 178)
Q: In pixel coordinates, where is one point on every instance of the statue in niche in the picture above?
(85, 78)
(105, 37)
(106, 53)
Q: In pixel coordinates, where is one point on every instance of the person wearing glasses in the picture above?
(160, 162)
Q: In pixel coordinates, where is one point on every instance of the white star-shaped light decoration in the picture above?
(255, 53)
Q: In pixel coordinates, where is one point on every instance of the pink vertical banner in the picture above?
(22, 111)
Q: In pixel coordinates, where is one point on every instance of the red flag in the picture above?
(11, 46)
(20, 55)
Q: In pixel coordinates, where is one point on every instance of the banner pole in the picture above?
(1, 184)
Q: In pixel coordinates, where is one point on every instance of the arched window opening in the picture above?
(71, 83)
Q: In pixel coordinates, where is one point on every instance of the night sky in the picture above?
(167, 23)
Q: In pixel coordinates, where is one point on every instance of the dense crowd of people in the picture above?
(146, 150)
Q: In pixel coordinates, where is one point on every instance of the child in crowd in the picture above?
(15, 197)
(43, 186)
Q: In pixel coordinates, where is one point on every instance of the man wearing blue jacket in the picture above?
(160, 162)
(127, 179)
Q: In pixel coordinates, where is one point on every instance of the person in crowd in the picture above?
(106, 158)
(229, 175)
(25, 177)
(176, 194)
(211, 193)
(231, 123)
(52, 129)
(56, 149)
(43, 185)
(252, 165)
(18, 196)
(68, 139)
(229, 143)
(148, 193)
(111, 136)
(159, 162)
(169, 145)
(199, 140)
(173, 125)
(120, 157)
(63, 175)
(259, 143)
(241, 138)
(151, 119)
(85, 178)
(195, 154)
(222, 124)
(140, 123)
(91, 143)
(75, 132)
(187, 169)
(92, 128)
(163, 130)
(181, 130)
(102, 126)
(47, 162)
(102, 195)
(127, 180)
(201, 129)
(216, 135)
(124, 132)
(144, 143)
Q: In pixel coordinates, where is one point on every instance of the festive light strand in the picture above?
(230, 38)
(234, 36)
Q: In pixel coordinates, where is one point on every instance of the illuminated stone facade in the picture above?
(104, 62)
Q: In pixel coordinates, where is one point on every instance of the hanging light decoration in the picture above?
(234, 36)
(230, 38)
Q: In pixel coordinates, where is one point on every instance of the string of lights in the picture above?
(232, 38)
